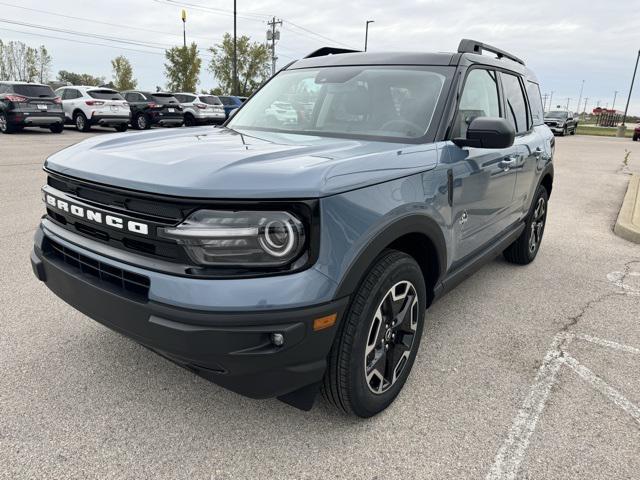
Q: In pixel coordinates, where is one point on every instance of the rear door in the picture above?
(483, 181)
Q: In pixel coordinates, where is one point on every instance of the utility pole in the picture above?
(550, 100)
(580, 97)
(568, 100)
(366, 33)
(584, 110)
(184, 28)
(544, 102)
(613, 107)
(272, 36)
(235, 50)
(623, 127)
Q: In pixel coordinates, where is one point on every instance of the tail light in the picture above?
(201, 105)
(16, 98)
(57, 100)
(91, 103)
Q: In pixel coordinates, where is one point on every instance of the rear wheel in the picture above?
(141, 122)
(122, 127)
(189, 120)
(81, 122)
(5, 126)
(379, 337)
(636, 137)
(526, 247)
(56, 128)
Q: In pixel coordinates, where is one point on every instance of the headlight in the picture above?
(243, 238)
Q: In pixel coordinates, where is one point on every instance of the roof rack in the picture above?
(473, 46)
(321, 52)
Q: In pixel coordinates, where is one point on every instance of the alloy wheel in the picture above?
(3, 123)
(537, 225)
(391, 337)
(142, 122)
(80, 122)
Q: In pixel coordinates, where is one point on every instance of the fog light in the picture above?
(277, 339)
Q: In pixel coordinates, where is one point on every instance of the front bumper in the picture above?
(232, 349)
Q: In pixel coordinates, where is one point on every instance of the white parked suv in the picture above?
(201, 109)
(88, 106)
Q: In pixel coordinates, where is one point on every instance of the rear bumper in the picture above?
(232, 349)
(35, 119)
(110, 119)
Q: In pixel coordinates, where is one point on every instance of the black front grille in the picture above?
(134, 284)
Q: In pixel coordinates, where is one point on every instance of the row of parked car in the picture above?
(36, 105)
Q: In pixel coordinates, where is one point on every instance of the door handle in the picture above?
(507, 162)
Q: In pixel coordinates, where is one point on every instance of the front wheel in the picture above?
(82, 124)
(636, 137)
(189, 120)
(5, 126)
(141, 122)
(379, 337)
(524, 250)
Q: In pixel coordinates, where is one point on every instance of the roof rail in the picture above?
(473, 46)
(321, 52)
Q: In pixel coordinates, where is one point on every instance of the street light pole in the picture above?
(623, 127)
(184, 27)
(580, 97)
(366, 33)
(613, 107)
(550, 100)
(235, 51)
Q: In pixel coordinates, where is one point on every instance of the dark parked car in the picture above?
(231, 102)
(149, 109)
(636, 133)
(29, 105)
(561, 122)
(283, 255)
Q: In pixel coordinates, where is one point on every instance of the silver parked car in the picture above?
(201, 109)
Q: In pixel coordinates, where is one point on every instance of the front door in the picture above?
(483, 179)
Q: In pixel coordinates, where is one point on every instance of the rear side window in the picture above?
(210, 100)
(535, 100)
(479, 99)
(105, 94)
(515, 102)
(34, 91)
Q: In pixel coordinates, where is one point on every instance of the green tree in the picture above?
(253, 64)
(123, 74)
(183, 68)
(79, 78)
(44, 61)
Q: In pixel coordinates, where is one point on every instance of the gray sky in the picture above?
(563, 42)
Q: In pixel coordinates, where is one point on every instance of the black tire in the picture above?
(189, 120)
(564, 131)
(346, 384)
(123, 127)
(636, 137)
(5, 126)
(56, 128)
(141, 122)
(81, 122)
(525, 249)
(573, 130)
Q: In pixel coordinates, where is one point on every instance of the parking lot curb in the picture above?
(628, 222)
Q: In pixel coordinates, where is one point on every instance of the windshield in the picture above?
(556, 115)
(41, 91)
(105, 95)
(377, 101)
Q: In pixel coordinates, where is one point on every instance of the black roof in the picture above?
(464, 57)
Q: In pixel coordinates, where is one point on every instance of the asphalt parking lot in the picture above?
(524, 372)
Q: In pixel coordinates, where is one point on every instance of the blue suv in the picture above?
(280, 256)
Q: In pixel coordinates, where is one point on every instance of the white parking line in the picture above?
(511, 453)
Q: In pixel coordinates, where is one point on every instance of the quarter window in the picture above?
(479, 99)
(535, 100)
(515, 103)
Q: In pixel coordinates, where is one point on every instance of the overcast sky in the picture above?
(564, 42)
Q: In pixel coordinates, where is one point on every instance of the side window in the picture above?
(479, 99)
(515, 103)
(3, 88)
(535, 100)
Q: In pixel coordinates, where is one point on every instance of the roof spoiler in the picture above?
(324, 51)
(473, 46)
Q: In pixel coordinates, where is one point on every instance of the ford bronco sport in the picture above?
(286, 256)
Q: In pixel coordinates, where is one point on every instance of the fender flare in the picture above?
(547, 170)
(385, 235)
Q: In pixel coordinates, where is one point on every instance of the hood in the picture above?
(221, 163)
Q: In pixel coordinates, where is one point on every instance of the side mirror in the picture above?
(488, 132)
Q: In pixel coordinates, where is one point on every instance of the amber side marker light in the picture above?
(324, 322)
